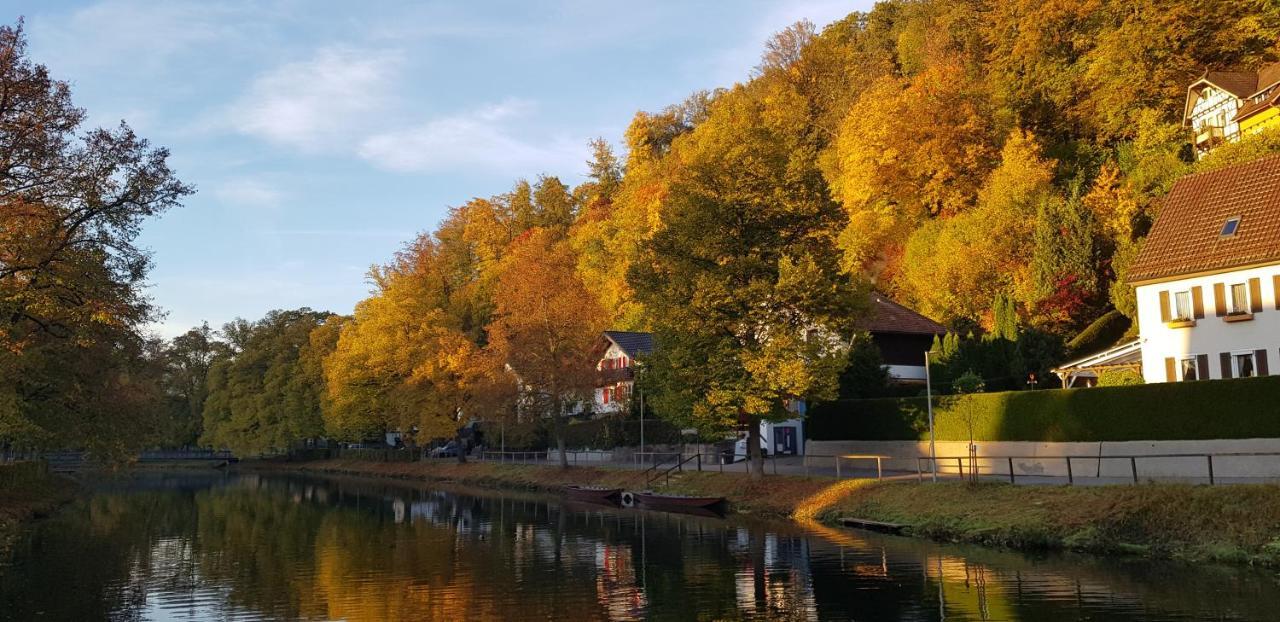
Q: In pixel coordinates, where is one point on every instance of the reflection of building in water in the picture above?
(617, 586)
(773, 578)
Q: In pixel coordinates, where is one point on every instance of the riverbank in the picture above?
(1236, 524)
(29, 496)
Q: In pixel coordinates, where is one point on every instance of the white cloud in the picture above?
(321, 102)
(130, 33)
(248, 192)
(484, 138)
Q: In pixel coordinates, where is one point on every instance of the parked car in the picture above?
(448, 450)
(739, 451)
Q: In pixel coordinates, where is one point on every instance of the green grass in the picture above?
(1238, 523)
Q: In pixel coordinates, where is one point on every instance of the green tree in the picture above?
(742, 282)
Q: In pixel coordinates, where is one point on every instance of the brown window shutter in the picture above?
(1202, 361)
(1225, 359)
(1260, 359)
(1255, 295)
(1197, 302)
(1275, 289)
(1165, 313)
(1220, 299)
(1170, 370)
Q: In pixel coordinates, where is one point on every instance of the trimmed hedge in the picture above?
(603, 433)
(1214, 409)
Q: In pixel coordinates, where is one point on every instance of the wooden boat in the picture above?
(653, 499)
(591, 493)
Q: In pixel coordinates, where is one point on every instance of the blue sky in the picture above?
(323, 135)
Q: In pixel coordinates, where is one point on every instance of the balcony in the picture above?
(606, 377)
(1209, 136)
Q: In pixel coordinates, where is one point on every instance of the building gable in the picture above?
(1188, 236)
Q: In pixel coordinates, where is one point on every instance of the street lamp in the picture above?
(928, 392)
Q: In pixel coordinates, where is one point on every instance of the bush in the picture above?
(602, 433)
(1163, 411)
(1120, 378)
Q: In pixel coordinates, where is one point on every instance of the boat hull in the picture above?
(591, 494)
(668, 501)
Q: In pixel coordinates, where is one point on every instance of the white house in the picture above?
(1223, 106)
(1208, 277)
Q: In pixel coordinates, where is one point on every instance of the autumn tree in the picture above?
(544, 327)
(742, 281)
(72, 303)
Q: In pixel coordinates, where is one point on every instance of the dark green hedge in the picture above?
(1240, 408)
(604, 433)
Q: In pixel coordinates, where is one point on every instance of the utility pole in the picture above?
(928, 392)
(642, 422)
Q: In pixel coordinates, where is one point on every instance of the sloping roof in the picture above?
(1186, 236)
(1124, 354)
(633, 344)
(887, 316)
(1239, 83)
(1251, 108)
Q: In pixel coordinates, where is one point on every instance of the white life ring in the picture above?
(628, 500)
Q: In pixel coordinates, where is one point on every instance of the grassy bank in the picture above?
(1239, 523)
(28, 497)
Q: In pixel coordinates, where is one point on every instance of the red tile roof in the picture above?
(1186, 237)
(887, 316)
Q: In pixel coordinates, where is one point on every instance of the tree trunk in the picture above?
(559, 427)
(462, 448)
(753, 448)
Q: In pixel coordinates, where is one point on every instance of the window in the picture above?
(1244, 365)
(1182, 306)
(1230, 227)
(1239, 298)
(1190, 371)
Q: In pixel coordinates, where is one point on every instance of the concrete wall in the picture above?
(1045, 458)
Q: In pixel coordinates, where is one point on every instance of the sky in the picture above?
(321, 136)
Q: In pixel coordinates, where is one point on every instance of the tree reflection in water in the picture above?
(192, 546)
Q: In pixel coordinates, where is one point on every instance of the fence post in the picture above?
(919, 471)
(1071, 480)
(1210, 458)
(1011, 477)
(1133, 464)
(960, 466)
(837, 466)
(879, 469)
(699, 462)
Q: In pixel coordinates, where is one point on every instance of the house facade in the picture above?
(1208, 277)
(1223, 106)
(615, 369)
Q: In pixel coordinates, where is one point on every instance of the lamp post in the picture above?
(642, 423)
(928, 392)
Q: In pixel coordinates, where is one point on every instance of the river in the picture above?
(215, 546)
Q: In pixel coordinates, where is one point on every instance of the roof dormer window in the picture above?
(1230, 227)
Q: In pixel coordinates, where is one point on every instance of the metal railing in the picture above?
(515, 457)
(1133, 459)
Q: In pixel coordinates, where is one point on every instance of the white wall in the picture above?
(906, 372)
(1211, 335)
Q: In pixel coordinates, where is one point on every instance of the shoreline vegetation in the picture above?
(29, 496)
(1194, 523)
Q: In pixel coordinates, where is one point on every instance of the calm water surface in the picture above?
(192, 546)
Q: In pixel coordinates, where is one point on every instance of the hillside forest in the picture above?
(991, 164)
